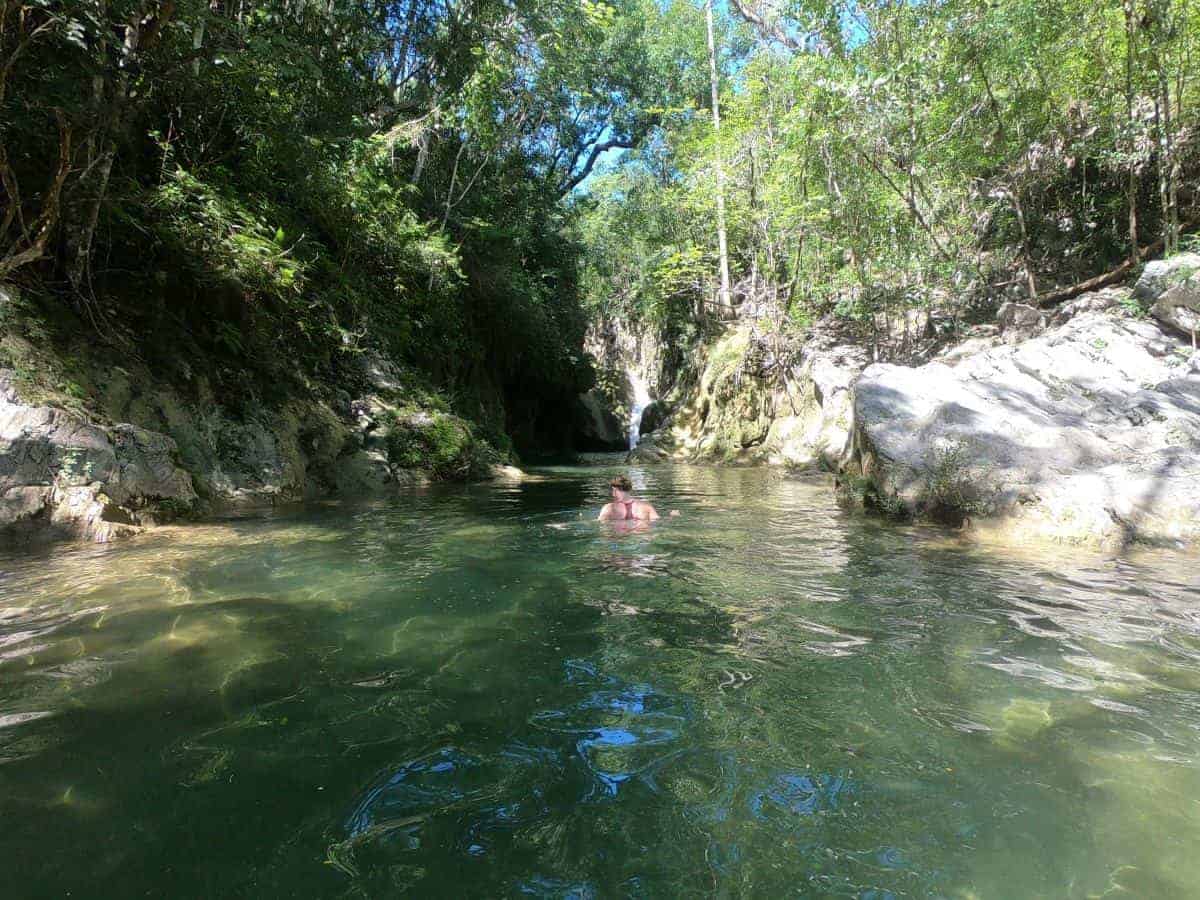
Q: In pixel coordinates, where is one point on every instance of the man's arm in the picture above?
(605, 514)
(651, 513)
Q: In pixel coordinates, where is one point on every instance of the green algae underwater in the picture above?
(480, 692)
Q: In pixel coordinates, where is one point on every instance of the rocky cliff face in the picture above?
(749, 407)
(67, 476)
(138, 450)
(602, 417)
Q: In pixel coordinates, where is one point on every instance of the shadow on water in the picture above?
(480, 692)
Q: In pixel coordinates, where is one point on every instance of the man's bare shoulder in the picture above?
(644, 510)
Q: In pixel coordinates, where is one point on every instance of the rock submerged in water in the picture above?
(1089, 432)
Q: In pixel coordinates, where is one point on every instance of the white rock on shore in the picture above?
(1172, 287)
(1087, 433)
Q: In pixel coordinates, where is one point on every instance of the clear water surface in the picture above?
(479, 692)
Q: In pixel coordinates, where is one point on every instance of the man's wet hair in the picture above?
(622, 483)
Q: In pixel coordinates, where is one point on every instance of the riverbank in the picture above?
(1078, 424)
(102, 439)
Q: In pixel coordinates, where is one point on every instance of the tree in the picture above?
(726, 299)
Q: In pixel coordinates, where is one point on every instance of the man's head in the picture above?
(621, 486)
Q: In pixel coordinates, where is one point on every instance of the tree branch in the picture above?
(1111, 277)
(769, 30)
(602, 147)
(43, 226)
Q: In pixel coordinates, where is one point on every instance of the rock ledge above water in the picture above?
(1089, 432)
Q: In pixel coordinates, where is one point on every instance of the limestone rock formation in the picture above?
(1097, 301)
(738, 413)
(813, 427)
(1019, 320)
(603, 417)
(73, 475)
(1172, 289)
(1089, 433)
(62, 474)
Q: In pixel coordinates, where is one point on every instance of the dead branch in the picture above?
(1108, 278)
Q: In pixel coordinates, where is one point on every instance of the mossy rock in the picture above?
(441, 443)
(737, 406)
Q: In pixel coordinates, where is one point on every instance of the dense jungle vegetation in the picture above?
(857, 161)
(275, 185)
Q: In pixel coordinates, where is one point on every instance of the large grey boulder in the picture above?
(1172, 289)
(1019, 321)
(1087, 433)
(1097, 301)
(657, 447)
(62, 473)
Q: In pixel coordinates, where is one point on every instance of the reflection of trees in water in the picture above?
(769, 694)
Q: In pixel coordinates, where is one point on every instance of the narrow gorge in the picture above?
(572, 449)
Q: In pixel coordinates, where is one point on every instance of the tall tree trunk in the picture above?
(1026, 246)
(400, 62)
(1013, 190)
(1131, 189)
(142, 30)
(726, 298)
(1167, 170)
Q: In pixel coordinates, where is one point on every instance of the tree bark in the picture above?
(1131, 188)
(726, 299)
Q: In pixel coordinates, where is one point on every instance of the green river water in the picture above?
(480, 692)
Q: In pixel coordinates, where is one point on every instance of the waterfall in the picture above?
(641, 399)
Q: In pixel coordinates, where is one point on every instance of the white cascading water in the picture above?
(641, 399)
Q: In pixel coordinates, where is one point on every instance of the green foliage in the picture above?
(264, 192)
(214, 229)
(277, 187)
(444, 444)
(904, 155)
(955, 486)
(1133, 306)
